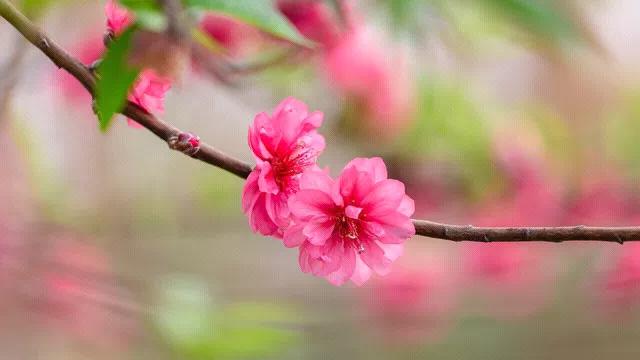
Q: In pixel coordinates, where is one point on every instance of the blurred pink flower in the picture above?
(81, 297)
(87, 51)
(370, 75)
(234, 36)
(148, 92)
(118, 18)
(601, 201)
(284, 145)
(413, 303)
(512, 273)
(313, 19)
(618, 289)
(348, 227)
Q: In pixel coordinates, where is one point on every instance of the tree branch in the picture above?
(212, 156)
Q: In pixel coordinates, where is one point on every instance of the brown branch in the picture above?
(210, 155)
(63, 60)
(524, 234)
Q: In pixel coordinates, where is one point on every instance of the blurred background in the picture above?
(493, 112)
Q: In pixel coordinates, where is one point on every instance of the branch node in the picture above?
(107, 38)
(185, 142)
(485, 238)
(94, 66)
(619, 239)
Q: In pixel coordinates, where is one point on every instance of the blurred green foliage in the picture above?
(149, 15)
(449, 126)
(543, 19)
(217, 191)
(198, 328)
(622, 131)
(35, 8)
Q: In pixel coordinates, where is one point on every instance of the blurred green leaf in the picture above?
(538, 16)
(191, 323)
(259, 13)
(557, 136)
(148, 14)
(34, 8)
(622, 134)
(449, 126)
(406, 14)
(185, 308)
(260, 313)
(217, 191)
(115, 77)
(249, 342)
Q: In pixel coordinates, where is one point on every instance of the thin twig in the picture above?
(217, 158)
(176, 30)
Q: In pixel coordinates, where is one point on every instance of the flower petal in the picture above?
(352, 211)
(395, 224)
(250, 191)
(266, 180)
(347, 269)
(407, 206)
(361, 273)
(373, 256)
(293, 236)
(375, 167)
(308, 204)
(260, 220)
(318, 232)
(385, 196)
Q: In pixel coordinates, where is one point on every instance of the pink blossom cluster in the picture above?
(150, 88)
(148, 91)
(344, 228)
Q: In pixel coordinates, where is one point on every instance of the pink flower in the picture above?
(510, 274)
(313, 19)
(602, 200)
(284, 146)
(118, 18)
(352, 226)
(368, 73)
(413, 304)
(149, 92)
(619, 288)
(81, 297)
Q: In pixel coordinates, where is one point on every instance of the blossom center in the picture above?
(293, 164)
(348, 226)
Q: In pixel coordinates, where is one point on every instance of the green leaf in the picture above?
(259, 13)
(115, 77)
(451, 127)
(538, 16)
(34, 8)
(148, 14)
